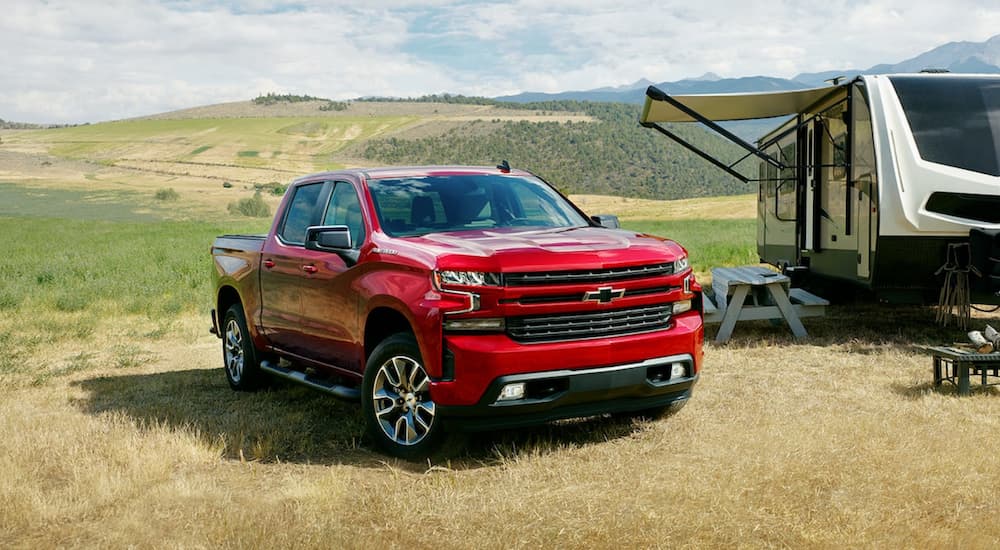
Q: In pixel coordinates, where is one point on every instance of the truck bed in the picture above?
(242, 243)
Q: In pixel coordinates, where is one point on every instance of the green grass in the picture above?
(710, 243)
(17, 200)
(104, 267)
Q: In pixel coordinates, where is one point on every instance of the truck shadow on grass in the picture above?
(288, 423)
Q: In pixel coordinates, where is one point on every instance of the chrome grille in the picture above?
(591, 324)
(587, 276)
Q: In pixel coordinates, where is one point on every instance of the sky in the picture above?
(89, 61)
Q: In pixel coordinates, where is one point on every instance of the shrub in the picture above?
(333, 106)
(254, 207)
(167, 194)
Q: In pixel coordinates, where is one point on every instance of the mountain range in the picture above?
(956, 57)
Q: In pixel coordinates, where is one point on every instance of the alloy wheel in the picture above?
(401, 399)
(234, 351)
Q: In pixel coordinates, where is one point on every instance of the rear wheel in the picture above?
(400, 416)
(238, 353)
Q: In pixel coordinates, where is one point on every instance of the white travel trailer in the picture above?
(869, 181)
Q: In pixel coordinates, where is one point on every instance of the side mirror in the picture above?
(607, 220)
(332, 238)
(329, 238)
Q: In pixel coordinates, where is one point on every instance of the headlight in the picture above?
(680, 264)
(466, 278)
(681, 306)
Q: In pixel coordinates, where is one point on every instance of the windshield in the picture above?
(955, 120)
(431, 204)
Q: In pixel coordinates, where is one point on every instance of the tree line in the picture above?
(273, 98)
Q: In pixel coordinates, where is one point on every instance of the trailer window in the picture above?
(785, 207)
(955, 120)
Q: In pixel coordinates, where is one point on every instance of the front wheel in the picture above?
(400, 416)
(238, 353)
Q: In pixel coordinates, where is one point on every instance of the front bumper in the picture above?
(554, 395)
(480, 360)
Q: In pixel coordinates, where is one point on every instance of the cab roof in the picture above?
(414, 172)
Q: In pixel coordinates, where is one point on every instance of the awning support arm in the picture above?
(657, 94)
(694, 149)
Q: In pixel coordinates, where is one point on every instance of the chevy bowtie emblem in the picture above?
(604, 295)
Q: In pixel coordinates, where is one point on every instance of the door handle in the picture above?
(310, 268)
(269, 263)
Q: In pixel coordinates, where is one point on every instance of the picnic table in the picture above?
(753, 293)
(954, 365)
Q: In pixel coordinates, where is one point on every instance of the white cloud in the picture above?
(66, 61)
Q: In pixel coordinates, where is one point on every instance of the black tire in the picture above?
(654, 413)
(400, 416)
(239, 356)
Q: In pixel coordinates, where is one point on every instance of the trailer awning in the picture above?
(720, 107)
(709, 110)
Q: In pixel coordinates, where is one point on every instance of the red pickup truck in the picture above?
(459, 297)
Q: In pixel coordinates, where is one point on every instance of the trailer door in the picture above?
(809, 221)
(863, 216)
(863, 175)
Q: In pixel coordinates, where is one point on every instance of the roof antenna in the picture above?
(504, 166)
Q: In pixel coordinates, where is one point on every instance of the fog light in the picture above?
(678, 370)
(512, 392)
(479, 324)
(681, 306)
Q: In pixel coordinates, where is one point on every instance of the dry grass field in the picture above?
(119, 429)
(129, 437)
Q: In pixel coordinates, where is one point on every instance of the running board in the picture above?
(336, 390)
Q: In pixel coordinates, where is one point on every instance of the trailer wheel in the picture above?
(399, 414)
(239, 355)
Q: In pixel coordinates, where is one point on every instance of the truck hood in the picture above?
(506, 250)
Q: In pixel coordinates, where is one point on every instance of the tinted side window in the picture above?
(345, 209)
(301, 213)
(955, 121)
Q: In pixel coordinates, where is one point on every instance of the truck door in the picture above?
(284, 265)
(331, 331)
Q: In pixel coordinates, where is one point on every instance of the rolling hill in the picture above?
(611, 156)
(580, 147)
